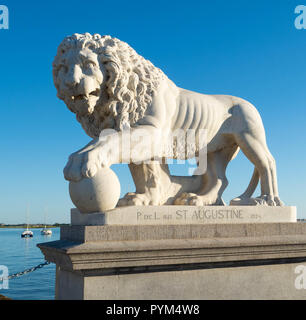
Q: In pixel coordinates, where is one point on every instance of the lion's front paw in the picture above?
(81, 165)
(72, 170)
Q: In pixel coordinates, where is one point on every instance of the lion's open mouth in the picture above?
(92, 94)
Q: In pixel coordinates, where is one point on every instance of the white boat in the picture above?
(46, 232)
(27, 233)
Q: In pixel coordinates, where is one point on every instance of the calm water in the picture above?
(19, 254)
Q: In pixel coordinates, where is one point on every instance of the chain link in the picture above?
(18, 274)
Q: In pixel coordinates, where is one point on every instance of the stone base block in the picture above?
(276, 282)
(192, 261)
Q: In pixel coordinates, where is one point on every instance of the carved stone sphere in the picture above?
(97, 194)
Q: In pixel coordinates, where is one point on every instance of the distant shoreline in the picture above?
(32, 226)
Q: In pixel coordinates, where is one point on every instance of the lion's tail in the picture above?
(252, 185)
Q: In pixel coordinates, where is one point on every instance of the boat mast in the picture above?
(27, 216)
(45, 214)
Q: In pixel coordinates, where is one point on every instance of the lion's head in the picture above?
(104, 81)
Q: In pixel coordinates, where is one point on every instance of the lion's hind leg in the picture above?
(253, 144)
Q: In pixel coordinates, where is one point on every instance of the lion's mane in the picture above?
(131, 82)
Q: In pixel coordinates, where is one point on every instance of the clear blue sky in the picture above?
(249, 49)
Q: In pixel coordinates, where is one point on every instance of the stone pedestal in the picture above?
(238, 260)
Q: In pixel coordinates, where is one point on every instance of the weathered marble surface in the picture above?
(109, 86)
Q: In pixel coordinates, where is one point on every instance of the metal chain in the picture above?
(18, 274)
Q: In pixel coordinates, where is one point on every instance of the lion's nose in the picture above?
(73, 76)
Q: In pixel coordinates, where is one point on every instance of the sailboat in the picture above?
(27, 233)
(45, 231)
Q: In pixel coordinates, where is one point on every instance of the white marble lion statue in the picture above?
(109, 86)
